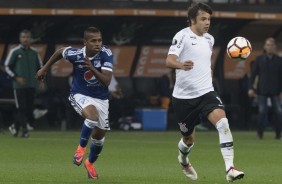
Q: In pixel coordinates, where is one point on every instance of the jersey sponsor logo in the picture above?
(194, 43)
(183, 127)
(193, 37)
(80, 61)
(181, 41)
(89, 77)
(108, 64)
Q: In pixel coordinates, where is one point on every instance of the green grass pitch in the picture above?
(136, 157)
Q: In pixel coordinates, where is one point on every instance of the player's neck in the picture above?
(90, 54)
(194, 30)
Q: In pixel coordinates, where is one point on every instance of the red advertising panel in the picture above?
(151, 62)
(123, 59)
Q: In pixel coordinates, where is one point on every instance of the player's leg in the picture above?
(98, 136)
(186, 126)
(91, 115)
(278, 111)
(262, 108)
(184, 147)
(30, 107)
(98, 139)
(83, 106)
(20, 118)
(218, 118)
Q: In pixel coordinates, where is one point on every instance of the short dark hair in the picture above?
(25, 31)
(91, 30)
(193, 11)
(271, 39)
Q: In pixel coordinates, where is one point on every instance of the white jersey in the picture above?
(198, 49)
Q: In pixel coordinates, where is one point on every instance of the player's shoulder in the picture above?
(16, 49)
(209, 37)
(106, 51)
(33, 49)
(183, 32)
(73, 51)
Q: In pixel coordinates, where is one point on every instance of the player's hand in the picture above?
(20, 80)
(88, 64)
(187, 65)
(40, 75)
(251, 93)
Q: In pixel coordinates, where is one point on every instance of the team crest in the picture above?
(183, 127)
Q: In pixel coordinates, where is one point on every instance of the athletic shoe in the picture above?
(25, 135)
(13, 130)
(78, 156)
(90, 168)
(29, 127)
(38, 113)
(233, 174)
(189, 171)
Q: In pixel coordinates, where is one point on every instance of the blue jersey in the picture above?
(84, 82)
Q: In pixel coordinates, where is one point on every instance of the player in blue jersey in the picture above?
(92, 73)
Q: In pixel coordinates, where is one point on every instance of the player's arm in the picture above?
(54, 58)
(254, 73)
(171, 62)
(104, 76)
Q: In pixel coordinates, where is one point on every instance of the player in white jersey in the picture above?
(190, 54)
(89, 92)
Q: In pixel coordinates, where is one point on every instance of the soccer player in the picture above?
(92, 74)
(190, 54)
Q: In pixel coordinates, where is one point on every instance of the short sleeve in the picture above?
(69, 54)
(177, 44)
(107, 59)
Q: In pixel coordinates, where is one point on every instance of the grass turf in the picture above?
(136, 157)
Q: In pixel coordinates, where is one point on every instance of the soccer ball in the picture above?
(239, 48)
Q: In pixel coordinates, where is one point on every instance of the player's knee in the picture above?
(223, 125)
(91, 113)
(90, 123)
(98, 142)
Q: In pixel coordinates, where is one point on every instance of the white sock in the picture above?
(184, 151)
(226, 142)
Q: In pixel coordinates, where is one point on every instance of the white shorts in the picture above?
(79, 102)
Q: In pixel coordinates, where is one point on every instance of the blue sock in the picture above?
(85, 134)
(95, 150)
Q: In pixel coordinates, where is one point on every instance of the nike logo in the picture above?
(194, 43)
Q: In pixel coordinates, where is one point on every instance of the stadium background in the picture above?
(139, 33)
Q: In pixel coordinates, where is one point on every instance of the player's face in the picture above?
(25, 39)
(270, 47)
(202, 23)
(93, 42)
